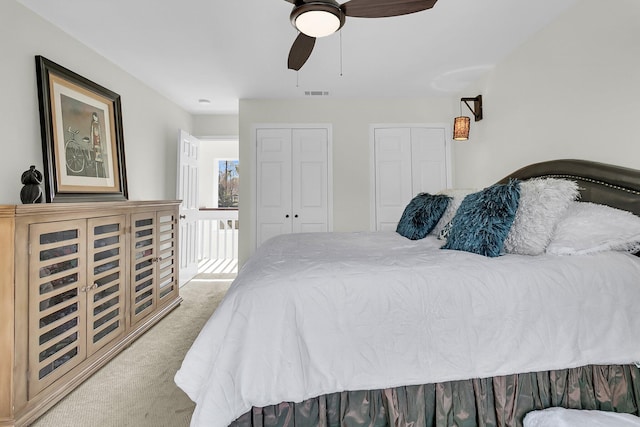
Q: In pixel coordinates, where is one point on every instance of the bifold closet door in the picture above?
(428, 160)
(309, 184)
(273, 185)
(407, 161)
(291, 181)
(393, 188)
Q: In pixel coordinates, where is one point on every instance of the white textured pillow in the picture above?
(542, 203)
(589, 227)
(457, 196)
(561, 417)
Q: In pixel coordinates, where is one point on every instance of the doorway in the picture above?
(220, 172)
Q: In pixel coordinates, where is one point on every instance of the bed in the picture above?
(377, 329)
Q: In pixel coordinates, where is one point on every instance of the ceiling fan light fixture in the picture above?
(317, 23)
(320, 18)
(317, 19)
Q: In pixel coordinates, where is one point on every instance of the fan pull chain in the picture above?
(340, 53)
(297, 78)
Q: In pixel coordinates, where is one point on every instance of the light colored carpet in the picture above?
(136, 388)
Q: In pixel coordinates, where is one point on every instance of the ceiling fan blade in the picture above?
(384, 8)
(300, 51)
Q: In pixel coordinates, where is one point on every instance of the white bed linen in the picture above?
(311, 314)
(560, 417)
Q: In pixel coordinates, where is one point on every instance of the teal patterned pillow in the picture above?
(484, 219)
(421, 215)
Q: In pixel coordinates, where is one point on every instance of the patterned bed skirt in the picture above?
(490, 402)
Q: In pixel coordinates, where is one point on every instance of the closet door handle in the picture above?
(286, 216)
(295, 216)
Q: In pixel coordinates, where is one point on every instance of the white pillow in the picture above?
(457, 196)
(542, 203)
(589, 227)
(561, 417)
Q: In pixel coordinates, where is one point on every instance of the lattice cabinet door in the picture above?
(57, 300)
(154, 270)
(143, 262)
(106, 292)
(167, 256)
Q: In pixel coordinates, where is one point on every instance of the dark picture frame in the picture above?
(82, 137)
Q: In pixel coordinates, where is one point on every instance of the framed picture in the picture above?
(82, 138)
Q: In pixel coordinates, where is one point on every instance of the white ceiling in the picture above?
(229, 50)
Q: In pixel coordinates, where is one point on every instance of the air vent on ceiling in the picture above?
(316, 93)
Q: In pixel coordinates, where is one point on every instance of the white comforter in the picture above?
(311, 314)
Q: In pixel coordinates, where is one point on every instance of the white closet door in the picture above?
(407, 161)
(309, 180)
(393, 189)
(428, 160)
(273, 174)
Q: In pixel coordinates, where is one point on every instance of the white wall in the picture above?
(208, 125)
(150, 121)
(572, 91)
(350, 119)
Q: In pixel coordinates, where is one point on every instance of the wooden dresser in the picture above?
(78, 283)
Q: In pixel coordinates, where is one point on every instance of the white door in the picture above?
(309, 183)
(273, 178)
(393, 189)
(187, 191)
(292, 181)
(407, 161)
(428, 160)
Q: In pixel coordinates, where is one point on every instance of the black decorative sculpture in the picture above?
(31, 191)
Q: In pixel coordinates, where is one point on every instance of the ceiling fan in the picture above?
(319, 18)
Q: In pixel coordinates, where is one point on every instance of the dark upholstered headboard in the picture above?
(616, 186)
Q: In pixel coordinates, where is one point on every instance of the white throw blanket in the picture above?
(311, 314)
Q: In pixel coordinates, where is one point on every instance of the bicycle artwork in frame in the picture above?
(82, 137)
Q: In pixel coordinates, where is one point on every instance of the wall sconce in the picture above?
(462, 124)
